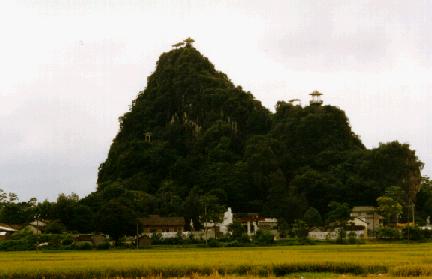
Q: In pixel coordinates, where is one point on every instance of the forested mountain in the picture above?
(193, 133)
(194, 140)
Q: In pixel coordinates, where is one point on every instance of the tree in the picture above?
(424, 200)
(300, 230)
(170, 203)
(339, 215)
(54, 227)
(213, 211)
(389, 208)
(63, 209)
(116, 220)
(238, 232)
(3, 197)
(82, 219)
(193, 209)
(396, 193)
(312, 217)
(318, 188)
(395, 164)
(14, 212)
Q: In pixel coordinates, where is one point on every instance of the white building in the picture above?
(370, 215)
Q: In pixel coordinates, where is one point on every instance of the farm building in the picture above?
(168, 227)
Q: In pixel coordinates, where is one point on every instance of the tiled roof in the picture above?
(7, 228)
(363, 208)
(156, 220)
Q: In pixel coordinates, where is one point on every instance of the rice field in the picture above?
(314, 261)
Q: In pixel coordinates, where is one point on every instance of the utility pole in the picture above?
(137, 235)
(205, 218)
(413, 213)
(37, 216)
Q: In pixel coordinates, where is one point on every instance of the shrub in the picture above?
(213, 243)
(341, 236)
(19, 241)
(387, 233)
(67, 241)
(412, 233)
(17, 245)
(263, 237)
(83, 246)
(55, 227)
(352, 238)
(299, 229)
(103, 246)
(427, 234)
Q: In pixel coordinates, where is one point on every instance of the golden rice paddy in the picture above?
(312, 261)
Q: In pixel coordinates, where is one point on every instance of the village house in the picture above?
(270, 225)
(359, 224)
(254, 222)
(167, 227)
(356, 225)
(6, 231)
(37, 226)
(368, 215)
(249, 221)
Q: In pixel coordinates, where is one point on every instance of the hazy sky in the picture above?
(69, 69)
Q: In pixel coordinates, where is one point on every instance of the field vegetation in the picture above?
(319, 260)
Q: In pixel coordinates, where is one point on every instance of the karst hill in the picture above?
(193, 133)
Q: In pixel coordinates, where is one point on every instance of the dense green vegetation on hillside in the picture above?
(209, 137)
(192, 139)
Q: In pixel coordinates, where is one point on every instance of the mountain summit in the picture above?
(186, 108)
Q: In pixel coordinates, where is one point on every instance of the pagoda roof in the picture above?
(315, 93)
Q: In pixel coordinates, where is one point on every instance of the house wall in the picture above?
(163, 229)
(332, 235)
(374, 221)
(201, 235)
(322, 235)
(144, 242)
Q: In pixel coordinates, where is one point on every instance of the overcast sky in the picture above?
(69, 69)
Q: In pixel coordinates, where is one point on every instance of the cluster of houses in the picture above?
(365, 220)
(171, 227)
(6, 230)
